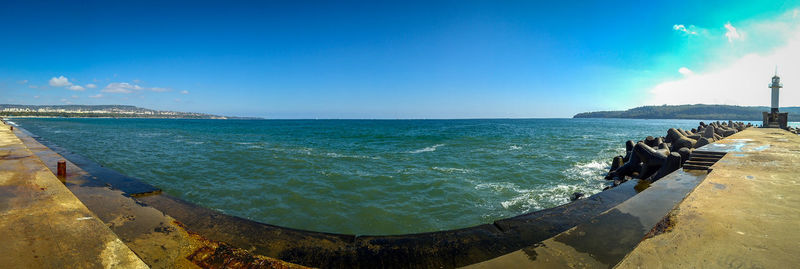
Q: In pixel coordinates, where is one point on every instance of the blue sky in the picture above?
(404, 59)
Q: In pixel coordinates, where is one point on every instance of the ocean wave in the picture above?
(427, 149)
(537, 199)
(587, 169)
(195, 142)
(452, 170)
(149, 135)
(499, 186)
(514, 147)
(337, 155)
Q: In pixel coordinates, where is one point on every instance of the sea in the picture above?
(364, 177)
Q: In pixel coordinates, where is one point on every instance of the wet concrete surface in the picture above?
(605, 239)
(745, 214)
(43, 225)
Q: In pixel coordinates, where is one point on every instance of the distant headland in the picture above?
(698, 111)
(98, 111)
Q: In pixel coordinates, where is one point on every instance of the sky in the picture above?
(398, 59)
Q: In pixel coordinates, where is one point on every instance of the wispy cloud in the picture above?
(184, 92)
(22, 81)
(75, 88)
(685, 71)
(60, 81)
(125, 87)
(121, 87)
(682, 28)
(732, 34)
(96, 96)
(91, 86)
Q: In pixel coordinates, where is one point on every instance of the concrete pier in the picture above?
(43, 225)
(745, 214)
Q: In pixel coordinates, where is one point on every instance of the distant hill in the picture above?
(96, 111)
(717, 112)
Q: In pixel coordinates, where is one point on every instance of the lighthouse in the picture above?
(776, 86)
(773, 118)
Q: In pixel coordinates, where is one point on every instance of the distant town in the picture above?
(97, 111)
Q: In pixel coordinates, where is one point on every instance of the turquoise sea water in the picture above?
(360, 176)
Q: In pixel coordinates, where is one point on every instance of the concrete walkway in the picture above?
(43, 225)
(746, 214)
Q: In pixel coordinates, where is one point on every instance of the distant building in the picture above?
(773, 118)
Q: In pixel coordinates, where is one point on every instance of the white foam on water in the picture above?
(337, 155)
(514, 147)
(452, 170)
(591, 168)
(427, 149)
(195, 142)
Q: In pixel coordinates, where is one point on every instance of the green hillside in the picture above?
(722, 112)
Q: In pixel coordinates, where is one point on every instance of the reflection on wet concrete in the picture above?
(605, 240)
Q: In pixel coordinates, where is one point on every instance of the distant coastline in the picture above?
(98, 111)
(698, 111)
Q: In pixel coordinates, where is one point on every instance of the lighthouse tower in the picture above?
(776, 86)
(773, 118)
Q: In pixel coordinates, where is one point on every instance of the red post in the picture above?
(62, 169)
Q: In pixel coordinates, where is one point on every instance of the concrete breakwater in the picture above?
(654, 157)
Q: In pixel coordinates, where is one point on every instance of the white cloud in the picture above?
(741, 82)
(184, 92)
(121, 87)
(74, 97)
(732, 33)
(157, 89)
(22, 81)
(96, 96)
(33, 86)
(60, 81)
(685, 71)
(76, 88)
(682, 28)
(91, 86)
(36, 97)
(64, 100)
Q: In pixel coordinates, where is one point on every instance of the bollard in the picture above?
(12, 128)
(62, 169)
